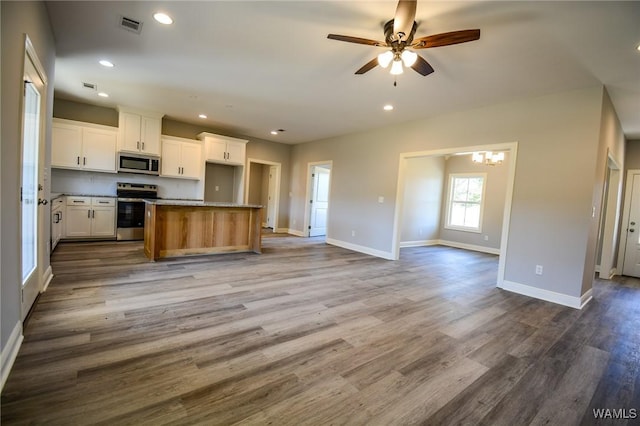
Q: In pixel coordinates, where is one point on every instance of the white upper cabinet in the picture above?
(181, 158)
(83, 146)
(139, 131)
(223, 149)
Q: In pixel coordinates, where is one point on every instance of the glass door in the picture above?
(29, 184)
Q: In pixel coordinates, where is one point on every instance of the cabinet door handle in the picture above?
(89, 214)
(78, 160)
(143, 146)
(78, 201)
(93, 214)
(84, 161)
(138, 145)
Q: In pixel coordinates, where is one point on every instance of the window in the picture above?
(465, 202)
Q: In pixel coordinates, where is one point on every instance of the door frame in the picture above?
(611, 210)
(43, 277)
(276, 203)
(511, 147)
(622, 247)
(307, 209)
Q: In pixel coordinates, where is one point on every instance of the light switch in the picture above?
(381, 199)
(217, 188)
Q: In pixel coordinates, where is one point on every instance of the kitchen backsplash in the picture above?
(94, 183)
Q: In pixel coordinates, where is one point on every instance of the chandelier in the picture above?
(488, 158)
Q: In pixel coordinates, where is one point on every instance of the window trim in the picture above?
(447, 224)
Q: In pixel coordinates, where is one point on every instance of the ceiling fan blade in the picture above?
(357, 40)
(368, 66)
(446, 39)
(421, 66)
(404, 17)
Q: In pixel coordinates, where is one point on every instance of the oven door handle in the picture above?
(131, 200)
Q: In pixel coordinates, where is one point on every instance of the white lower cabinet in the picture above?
(90, 217)
(57, 221)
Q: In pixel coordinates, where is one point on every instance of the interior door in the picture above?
(319, 202)
(30, 184)
(271, 201)
(631, 264)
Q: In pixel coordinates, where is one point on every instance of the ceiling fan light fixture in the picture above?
(396, 67)
(408, 57)
(385, 58)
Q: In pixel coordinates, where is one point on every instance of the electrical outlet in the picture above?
(217, 188)
(538, 269)
(381, 199)
(353, 233)
(486, 238)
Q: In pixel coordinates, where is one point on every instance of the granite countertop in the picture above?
(198, 203)
(55, 195)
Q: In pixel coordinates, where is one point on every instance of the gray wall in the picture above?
(632, 155)
(220, 176)
(424, 181)
(495, 193)
(558, 140)
(18, 19)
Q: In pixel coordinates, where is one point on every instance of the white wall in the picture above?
(557, 136)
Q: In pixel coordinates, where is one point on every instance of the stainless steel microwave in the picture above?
(135, 163)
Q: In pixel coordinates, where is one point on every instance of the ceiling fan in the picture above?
(398, 35)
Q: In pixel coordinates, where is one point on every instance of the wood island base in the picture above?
(173, 229)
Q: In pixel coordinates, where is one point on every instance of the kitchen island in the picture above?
(175, 228)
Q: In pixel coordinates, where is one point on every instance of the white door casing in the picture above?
(631, 265)
(319, 201)
(271, 197)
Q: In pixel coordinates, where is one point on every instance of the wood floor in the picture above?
(311, 334)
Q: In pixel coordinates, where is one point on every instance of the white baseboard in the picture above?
(361, 249)
(281, 231)
(419, 243)
(549, 296)
(295, 232)
(10, 352)
(48, 276)
(473, 247)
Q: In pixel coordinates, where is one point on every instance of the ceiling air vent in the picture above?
(91, 86)
(130, 24)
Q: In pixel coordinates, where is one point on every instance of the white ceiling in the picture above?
(255, 66)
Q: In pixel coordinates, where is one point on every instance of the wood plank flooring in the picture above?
(311, 334)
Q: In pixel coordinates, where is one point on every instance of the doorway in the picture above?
(263, 179)
(318, 194)
(510, 148)
(32, 241)
(630, 244)
(609, 219)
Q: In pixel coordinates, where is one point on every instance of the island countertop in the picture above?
(199, 203)
(192, 227)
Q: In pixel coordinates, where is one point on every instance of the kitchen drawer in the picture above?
(103, 201)
(57, 202)
(78, 201)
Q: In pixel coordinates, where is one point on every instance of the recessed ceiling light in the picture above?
(106, 63)
(163, 18)
(638, 47)
(202, 116)
(273, 132)
(103, 95)
(388, 107)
